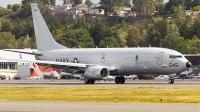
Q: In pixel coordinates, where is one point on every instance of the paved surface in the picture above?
(94, 107)
(7, 106)
(78, 83)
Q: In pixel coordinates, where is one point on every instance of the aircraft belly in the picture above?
(138, 68)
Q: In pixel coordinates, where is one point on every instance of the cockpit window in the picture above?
(178, 56)
(175, 56)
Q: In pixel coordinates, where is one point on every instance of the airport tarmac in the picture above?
(11, 106)
(7, 106)
(186, 83)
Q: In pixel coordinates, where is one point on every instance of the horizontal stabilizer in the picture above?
(31, 52)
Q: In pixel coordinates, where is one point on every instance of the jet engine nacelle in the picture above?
(96, 72)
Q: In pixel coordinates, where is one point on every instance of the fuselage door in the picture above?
(160, 58)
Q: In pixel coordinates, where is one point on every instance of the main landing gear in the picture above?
(171, 80)
(119, 80)
(89, 81)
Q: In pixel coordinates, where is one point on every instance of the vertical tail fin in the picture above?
(44, 39)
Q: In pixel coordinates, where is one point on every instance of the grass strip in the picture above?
(105, 95)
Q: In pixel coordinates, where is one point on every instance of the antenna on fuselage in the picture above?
(149, 45)
(96, 47)
(79, 46)
(107, 46)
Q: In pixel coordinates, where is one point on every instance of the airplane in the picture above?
(99, 63)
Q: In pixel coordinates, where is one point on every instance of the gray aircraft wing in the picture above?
(61, 64)
(31, 52)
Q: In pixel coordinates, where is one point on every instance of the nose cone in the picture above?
(188, 64)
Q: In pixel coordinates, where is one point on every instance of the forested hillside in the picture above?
(156, 24)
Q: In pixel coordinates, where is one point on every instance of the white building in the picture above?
(10, 68)
(64, 7)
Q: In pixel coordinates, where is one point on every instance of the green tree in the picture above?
(66, 1)
(4, 12)
(16, 7)
(6, 26)
(185, 29)
(28, 28)
(79, 23)
(119, 3)
(127, 3)
(187, 47)
(171, 4)
(99, 31)
(197, 8)
(7, 40)
(88, 2)
(172, 38)
(107, 5)
(26, 8)
(178, 15)
(196, 2)
(156, 32)
(9, 6)
(24, 42)
(196, 43)
(108, 42)
(53, 2)
(77, 37)
(188, 4)
(133, 38)
(18, 29)
(76, 2)
(195, 28)
(144, 6)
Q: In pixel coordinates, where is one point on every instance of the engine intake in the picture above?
(96, 72)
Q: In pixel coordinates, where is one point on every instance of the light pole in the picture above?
(158, 8)
(158, 14)
(168, 14)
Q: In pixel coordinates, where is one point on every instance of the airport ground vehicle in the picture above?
(182, 76)
(193, 76)
(162, 77)
(16, 78)
(133, 77)
(2, 77)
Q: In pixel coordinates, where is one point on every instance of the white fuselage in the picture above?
(126, 60)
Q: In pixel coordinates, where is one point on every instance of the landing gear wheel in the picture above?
(87, 81)
(117, 80)
(122, 80)
(91, 81)
(171, 81)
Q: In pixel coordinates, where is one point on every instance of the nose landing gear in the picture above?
(171, 80)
